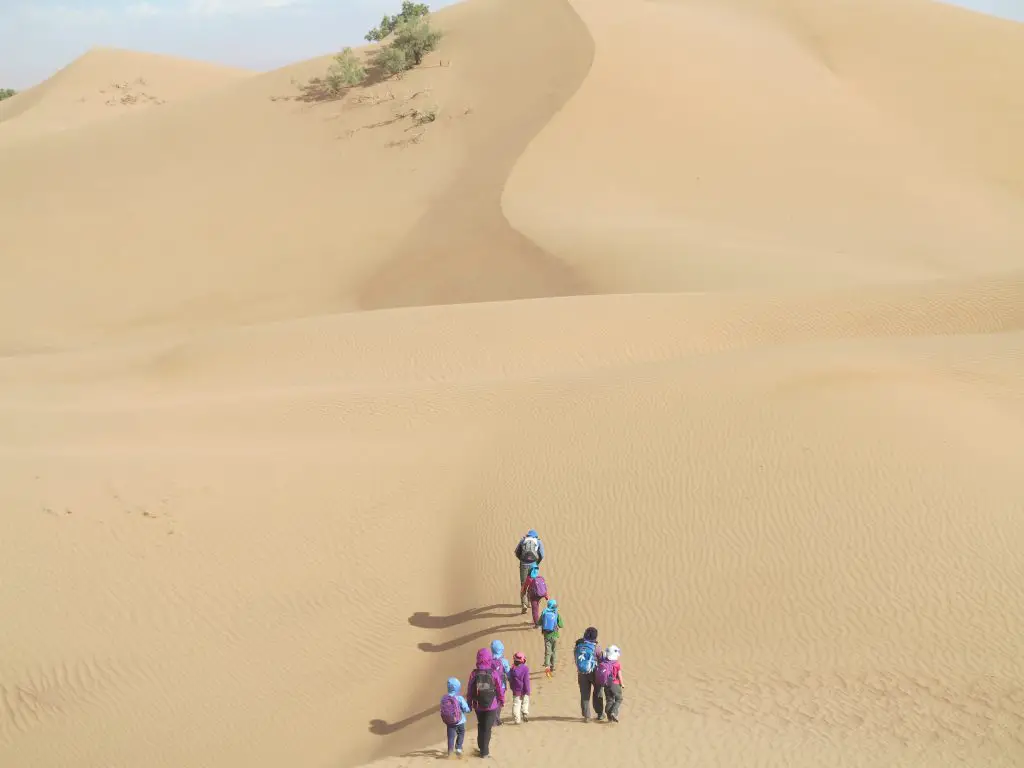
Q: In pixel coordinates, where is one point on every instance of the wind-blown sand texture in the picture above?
(725, 298)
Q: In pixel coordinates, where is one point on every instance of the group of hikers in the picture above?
(598, 672)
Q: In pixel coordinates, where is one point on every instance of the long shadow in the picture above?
(460, 641)
(424, 620)
(555, 719)
(384, 728)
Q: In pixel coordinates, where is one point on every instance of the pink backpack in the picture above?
(605, 672)
(451, 710)
(539, 588)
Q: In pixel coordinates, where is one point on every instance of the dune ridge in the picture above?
(723, 298)
(107, 82)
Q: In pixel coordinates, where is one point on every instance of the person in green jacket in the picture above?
(550, 622)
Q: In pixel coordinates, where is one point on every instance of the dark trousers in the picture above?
(456, 735)
(484, 724)
(590, 692)
(613, 699)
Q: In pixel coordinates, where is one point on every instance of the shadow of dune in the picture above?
(460, 641)
(424, 620)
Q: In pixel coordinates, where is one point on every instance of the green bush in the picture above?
(411, 38)
(409, 12)
(391, 60)
(345, 71)
(415, 38)
(6, 93)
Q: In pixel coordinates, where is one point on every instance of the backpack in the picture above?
(530, 550)
(498, 665)
(483, 688)
(539, 588)
(549, 621)
(451, 710)
(586, 656)
(605, 673)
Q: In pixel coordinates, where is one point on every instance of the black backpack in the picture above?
(483, 688)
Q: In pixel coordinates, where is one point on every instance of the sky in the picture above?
(38, 37)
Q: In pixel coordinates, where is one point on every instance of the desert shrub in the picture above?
(409, 12)
(6, 93)
(412, 41)
(412, 38)
(392, 60)
(345, 71)
(415, 38)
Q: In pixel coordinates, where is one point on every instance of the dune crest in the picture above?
(725, 299)
(103, 83)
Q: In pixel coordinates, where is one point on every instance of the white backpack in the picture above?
(531, 549)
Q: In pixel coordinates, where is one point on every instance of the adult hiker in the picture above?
(486, 696)
(588, 655)
(529, 552)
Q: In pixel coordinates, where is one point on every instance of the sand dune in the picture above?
(103, 83)
(723, 298)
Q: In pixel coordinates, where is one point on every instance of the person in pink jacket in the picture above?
(486, 697)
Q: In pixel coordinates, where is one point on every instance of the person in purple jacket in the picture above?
(486, 697)
(519, 684)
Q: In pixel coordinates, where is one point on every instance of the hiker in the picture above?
(529, 550)
(519, 683)
(588, 656)
(502, 667)
(535, 588)
(550, 622)
(486, 697)
(453, 713)
(609, 677)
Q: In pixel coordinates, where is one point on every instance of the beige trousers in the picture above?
(520, 707)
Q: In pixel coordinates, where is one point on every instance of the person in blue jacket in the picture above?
(529, 552)
(457, 732)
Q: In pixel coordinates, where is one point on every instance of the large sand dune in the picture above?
(726, 299)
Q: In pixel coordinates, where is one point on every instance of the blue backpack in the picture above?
(549, 621)
(586, 656)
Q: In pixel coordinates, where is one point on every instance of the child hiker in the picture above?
(519, 683)
(550, 622)
(609, 676)
(502, 668)
(536, 589)
(453, 713)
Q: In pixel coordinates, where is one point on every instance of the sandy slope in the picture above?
(103, 83)
(250, 525)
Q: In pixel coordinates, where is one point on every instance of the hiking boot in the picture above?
(613, 718)
(600, 718)
(526, 718)
(524, 611)
(548, 671)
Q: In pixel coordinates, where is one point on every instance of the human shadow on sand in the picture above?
(424, 620)
(460, 641)
(384, 728)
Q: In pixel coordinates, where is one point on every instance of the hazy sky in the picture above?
(38, 37)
